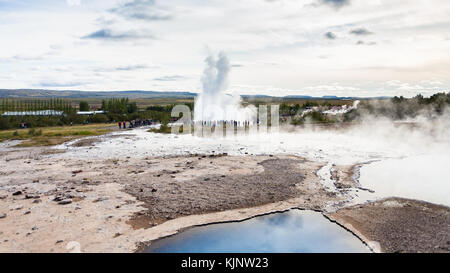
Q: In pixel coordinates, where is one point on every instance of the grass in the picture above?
(49, 136)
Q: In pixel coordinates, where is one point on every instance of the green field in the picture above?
(48, 136)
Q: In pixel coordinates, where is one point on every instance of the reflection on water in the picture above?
(424, 177)
(292, 231)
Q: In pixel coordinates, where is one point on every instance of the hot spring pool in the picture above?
(292, 231)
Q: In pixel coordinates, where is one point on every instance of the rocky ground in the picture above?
(53, 204)
(47, 202)
(398, 225)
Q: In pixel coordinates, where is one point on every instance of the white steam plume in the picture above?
(214, 104)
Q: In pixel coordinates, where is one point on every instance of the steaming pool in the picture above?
(294, 231)
(423, 177)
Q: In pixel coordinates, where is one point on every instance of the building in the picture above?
(35, 113)
(90, 112)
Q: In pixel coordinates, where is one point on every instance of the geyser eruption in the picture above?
(214, 104)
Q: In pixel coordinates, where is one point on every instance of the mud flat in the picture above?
(54, 203)
(398, 225)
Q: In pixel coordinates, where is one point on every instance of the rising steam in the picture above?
(214, 103)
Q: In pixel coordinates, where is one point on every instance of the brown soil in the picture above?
(399, 225)
(118, 203)
(111, 205)
(166, 198)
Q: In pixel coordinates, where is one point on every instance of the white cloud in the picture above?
(279, 46)
(72, 3)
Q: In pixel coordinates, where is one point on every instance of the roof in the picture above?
(34, 113)
(90, 112)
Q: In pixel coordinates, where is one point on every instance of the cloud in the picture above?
(170, 78)
(27, 58)
(330, 35)
(121, 68)
(337, 4)
(107, 34)
(131, 67)
(365, 43)
(146, 10)
(61, 84)
(72, 3)
(360, 32)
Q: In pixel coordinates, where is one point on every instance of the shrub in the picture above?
(34, 132)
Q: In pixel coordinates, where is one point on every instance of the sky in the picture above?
(275, 47)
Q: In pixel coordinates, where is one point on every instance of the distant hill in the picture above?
(140, 94)
(133, 94)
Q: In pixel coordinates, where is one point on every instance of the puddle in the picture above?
(294, 231)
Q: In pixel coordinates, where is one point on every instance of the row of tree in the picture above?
(399, 108)
(11, 105)
(119, 106)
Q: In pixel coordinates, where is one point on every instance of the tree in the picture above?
(132, 107)
(84, 106)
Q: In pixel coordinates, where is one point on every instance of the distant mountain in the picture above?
(140, 94)
(298, 97)
(333, 97)
(133, 94)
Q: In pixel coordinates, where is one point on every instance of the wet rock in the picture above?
(100, 199)
(65, 202)
(31, 196)
(58, 198)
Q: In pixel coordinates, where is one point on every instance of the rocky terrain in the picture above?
(65, 204)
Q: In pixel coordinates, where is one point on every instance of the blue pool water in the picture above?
(292, 231)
